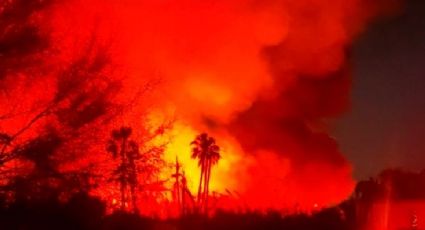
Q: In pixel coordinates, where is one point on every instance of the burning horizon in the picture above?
(261, 77)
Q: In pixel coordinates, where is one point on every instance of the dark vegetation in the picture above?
(82, 211)
(85, 212)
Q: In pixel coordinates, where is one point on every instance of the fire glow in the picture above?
(261, 77)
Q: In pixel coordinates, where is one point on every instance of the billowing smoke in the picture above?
(262, 77)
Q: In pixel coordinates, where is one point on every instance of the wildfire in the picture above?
(182, 136)
(261, 77)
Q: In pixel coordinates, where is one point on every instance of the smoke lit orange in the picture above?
(261, 77)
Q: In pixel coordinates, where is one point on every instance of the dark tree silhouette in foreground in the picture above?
(139, 165)
(120, 146)
(207, 152)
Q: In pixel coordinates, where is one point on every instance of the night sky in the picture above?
(386, 126)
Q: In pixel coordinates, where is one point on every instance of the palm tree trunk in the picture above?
(134, 200)
(122, 177)
(200, 184)
(123, 199)
(207, 184)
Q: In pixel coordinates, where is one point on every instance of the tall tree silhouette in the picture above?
(120, 146)
(139, 164)
(207, 152)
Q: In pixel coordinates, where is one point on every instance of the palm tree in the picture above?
(207, 152)
(127, 150)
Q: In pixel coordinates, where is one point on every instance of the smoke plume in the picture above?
(262, 77)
